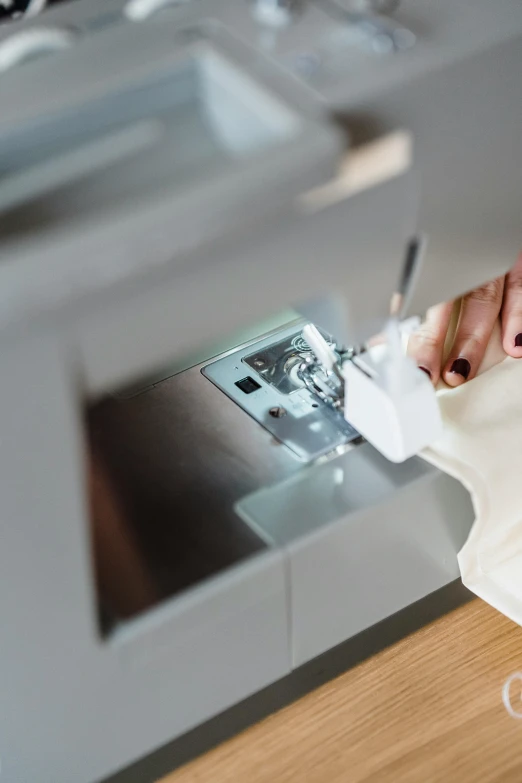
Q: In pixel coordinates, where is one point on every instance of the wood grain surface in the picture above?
(428, 709)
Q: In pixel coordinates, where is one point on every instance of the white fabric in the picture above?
(482, 447)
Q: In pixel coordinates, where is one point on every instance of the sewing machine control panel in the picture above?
(317, 41)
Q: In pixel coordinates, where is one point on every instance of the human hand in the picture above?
(479, 312)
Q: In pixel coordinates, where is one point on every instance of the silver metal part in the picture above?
(269, 376)
(277, 362)
(321, 382)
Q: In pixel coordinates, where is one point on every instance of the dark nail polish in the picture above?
(425, 369)
(461, 367)
(518, 340)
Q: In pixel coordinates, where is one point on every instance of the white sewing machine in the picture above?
(171, 174)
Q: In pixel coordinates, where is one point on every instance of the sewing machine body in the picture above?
(119, 265)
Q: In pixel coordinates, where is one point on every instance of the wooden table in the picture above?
(427, 709)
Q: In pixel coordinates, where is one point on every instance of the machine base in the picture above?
(294, 686)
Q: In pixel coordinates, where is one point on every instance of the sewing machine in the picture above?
(207, 209)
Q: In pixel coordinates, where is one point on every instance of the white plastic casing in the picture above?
(391, 403)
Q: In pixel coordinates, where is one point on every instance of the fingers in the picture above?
(426, 345)
(479, 312)
(512, 312)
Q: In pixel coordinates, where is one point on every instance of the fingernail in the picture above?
(518, 340)
(461, 367)
(425, 369)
